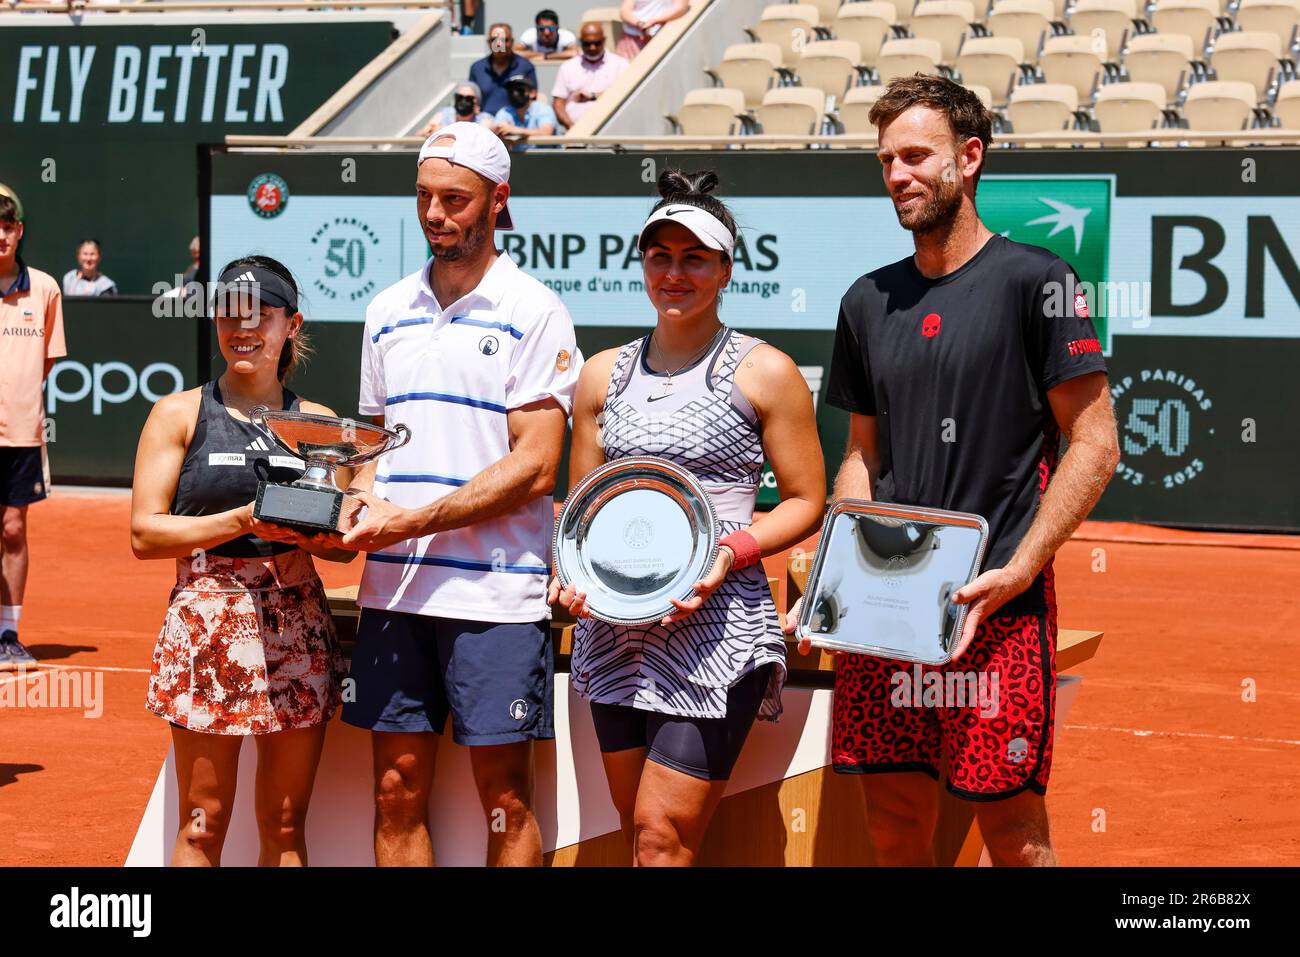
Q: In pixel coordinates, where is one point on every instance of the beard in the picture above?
(938, 209)
(471, 242)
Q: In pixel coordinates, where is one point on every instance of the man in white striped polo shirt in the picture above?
(458, 525)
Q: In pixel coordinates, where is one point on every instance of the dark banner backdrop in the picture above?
(99, 126)
(1209, 429)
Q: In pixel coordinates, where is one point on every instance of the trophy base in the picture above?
(298, 506)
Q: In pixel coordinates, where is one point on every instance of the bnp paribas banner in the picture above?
(796, 256)
(100, 124)
(1187, 259)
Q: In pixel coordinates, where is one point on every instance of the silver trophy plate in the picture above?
(633, 534)
(883, 580)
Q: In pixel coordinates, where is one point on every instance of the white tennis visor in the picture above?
(707, 228)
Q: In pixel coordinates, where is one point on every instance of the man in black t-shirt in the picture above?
(962, 366)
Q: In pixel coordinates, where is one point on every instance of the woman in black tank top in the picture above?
(248, 644)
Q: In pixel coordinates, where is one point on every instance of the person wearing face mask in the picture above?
(464, 108)
(248, 645)
(524, 117)
(584, 78)
(493, 72)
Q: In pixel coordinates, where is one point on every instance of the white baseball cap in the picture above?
(476, 148)
(707, 228)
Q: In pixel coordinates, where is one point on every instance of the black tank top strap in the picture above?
(223, 465)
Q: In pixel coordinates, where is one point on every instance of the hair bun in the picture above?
(674, 182)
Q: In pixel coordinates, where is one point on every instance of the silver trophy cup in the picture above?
(314, 503)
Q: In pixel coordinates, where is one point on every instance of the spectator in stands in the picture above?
(523, 117)
(642, 20)
(583, 79)
(471, 17)
(492, 72)
(466, 107)
(192, 274)
(86, 279)
(547, 40)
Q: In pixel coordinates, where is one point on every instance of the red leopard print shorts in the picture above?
(990, 712)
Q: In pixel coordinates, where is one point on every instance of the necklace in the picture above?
(668, 382)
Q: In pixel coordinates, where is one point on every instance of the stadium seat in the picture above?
(1073, 60)
(1250, 57)
(826, 9)
(991, 62)
(829, 65)
(1026, 20)
(1271, 16)
(868, 25)
(904, 57)
(946, 21)
(982, 92)
(1164, 58)
(902, 9)
(750, 68)
(1287, 107)
(787, 25)
(1114, 18)
(1193, 18)
(856, 106)
(1042, 107)
(795, 110)
(711, 111)
(610, 19)
(1219, 106)
(1129, 107)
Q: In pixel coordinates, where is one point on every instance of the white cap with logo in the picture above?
(477, 148)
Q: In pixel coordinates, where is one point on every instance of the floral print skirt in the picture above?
(248, 647)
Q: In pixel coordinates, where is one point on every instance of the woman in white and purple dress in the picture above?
(673, 701)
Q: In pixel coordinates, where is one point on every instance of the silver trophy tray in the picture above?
(633, 534)
(882, 581)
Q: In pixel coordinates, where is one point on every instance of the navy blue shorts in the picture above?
(22, 475)
(496, 679)
(704, 748)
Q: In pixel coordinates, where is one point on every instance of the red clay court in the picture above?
(1161, 748)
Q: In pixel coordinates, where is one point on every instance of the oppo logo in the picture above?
(111, 382)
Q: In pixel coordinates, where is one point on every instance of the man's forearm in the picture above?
(1080, 479)
(498, 490)
(854, 478)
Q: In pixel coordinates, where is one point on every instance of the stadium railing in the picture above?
(1067, 138)
(195, 6)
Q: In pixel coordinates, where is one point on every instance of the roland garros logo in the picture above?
(894, 569)
(1163, 421)
(268, 194)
